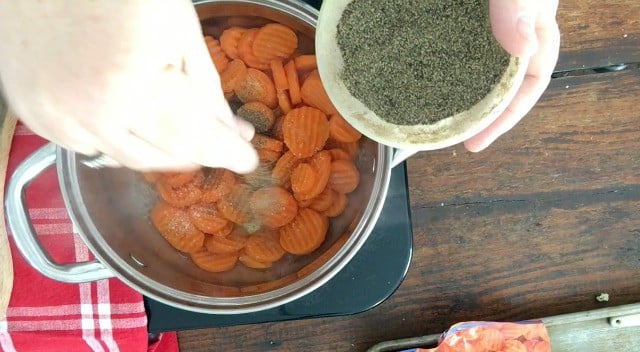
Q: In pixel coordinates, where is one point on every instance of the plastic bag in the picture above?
(524, 336)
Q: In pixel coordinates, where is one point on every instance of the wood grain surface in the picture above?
(598, 33)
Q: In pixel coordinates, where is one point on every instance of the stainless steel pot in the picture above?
(110, 208)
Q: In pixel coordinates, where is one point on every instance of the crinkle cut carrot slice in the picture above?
(341, 130)
(274, 206)
(259, 115)
(245, 50)
(324, 200)
(344, 176)
(284, 166)
(279, 76)
(313, 94)
(257, 86)
(176, 227)
(274, 41)
(306, 62)
(217, 184)
(252, 263)
(235, 74)
(235, 206)
(222, 245)
(337, 207)
(215, 263)
(303, 180)
(263, 248)
(294, 82)
(305, 233)
(263, 142)
(181, 196)
(305, 130)
(207, 218)
(229, 41)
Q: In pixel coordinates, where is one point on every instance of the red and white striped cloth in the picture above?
(45, 315)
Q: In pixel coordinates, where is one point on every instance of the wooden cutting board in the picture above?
(6, 265)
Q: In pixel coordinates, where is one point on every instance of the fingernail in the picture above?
(527, 30)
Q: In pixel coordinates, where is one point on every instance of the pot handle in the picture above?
(24, 234)
(400, 155)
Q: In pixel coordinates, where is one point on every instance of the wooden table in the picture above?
(537, 225)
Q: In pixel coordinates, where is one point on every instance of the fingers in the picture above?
(513, 25)
(535, 82)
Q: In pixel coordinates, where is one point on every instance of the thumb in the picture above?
(513, 23)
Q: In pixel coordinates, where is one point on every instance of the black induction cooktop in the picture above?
(373, 274)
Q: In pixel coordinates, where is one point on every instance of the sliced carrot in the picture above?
(263, 142)
(261, 176)
(225, 231)
(304, 203)
(283, 101)
(235, 74)
(275, 41)
(245, 50)
(337, 207)
(215, 263)
(177, 179)
(263, 248)
(341, 130)
(238, 235)
(305, 233)
(252, 263)
(273, 206)
(276, 131)
(321, 162)
(176, 227)
(324, 200)
(207, 218)
(268, 156)
(294, 83)
(229, 41)
(151, 176)
(258, 114)
(305, 130)
(303, 179)
(344, 176)
(217, 184)
(228, 96)
(257, 86)
(352, 149)
(218, 57)
(181, 196)
(306, 62)
(284, 166)
(313, 94)
(338, 154)
(279, 76)
(222, 245)
(235, 206)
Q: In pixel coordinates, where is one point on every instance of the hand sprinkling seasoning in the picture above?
(418, 62)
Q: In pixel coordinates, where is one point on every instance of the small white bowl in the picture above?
(441, 134)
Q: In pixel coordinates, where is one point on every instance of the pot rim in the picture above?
(66, 166)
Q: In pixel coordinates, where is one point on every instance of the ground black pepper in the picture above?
(417, 62)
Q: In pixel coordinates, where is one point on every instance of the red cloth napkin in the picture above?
(45, 315)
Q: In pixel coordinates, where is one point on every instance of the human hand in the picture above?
(131, 80)
(525, 29)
